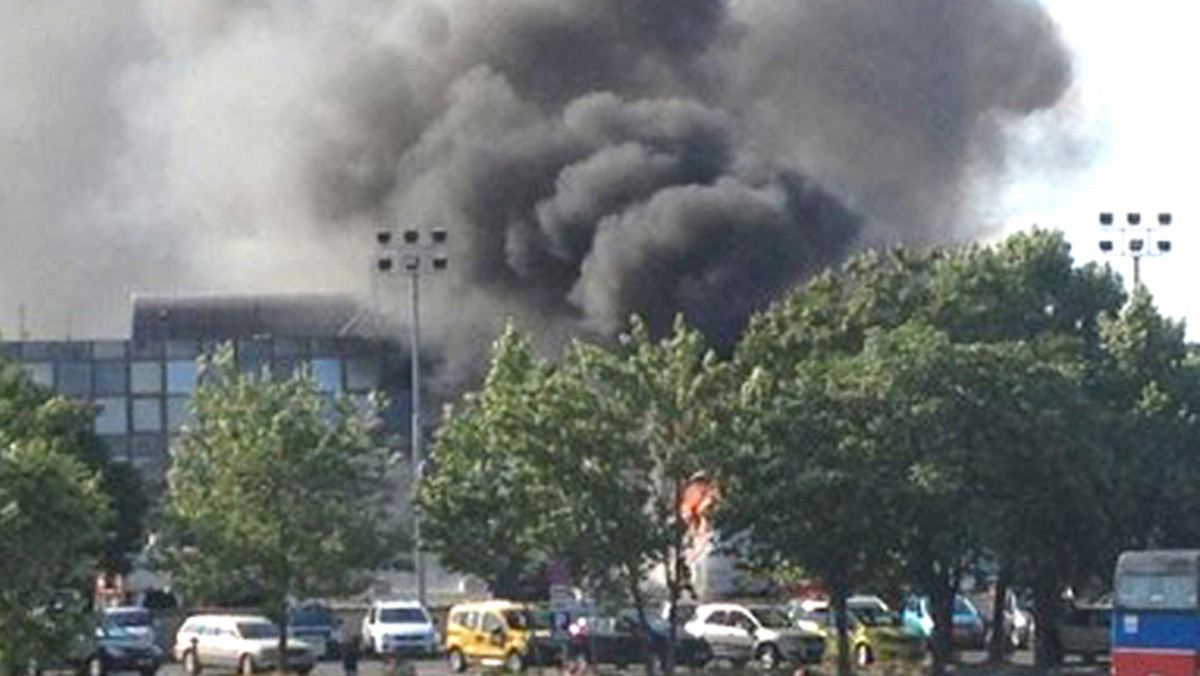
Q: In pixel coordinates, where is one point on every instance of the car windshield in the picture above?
(128, 618)
(963, 606)
(525, 619)
(257, 630)
(403, 616)
(772, 618)
(874, 617)
(312, 617)
(824, 617)
(111, 629)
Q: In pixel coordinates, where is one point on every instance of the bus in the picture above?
(1156, 613)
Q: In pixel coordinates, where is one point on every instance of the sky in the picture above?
(1128, 130)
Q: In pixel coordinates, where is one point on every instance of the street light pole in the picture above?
(414, 257)
(1137, 240)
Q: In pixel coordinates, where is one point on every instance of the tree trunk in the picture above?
(1047, 607)
(999, 644)
(941, 598)
(839, 592)
(639, 603)
(283, 643)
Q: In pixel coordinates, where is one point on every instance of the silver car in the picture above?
(741, 633)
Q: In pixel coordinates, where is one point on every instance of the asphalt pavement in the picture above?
(438, 667)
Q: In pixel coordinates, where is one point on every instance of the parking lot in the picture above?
(972, 662)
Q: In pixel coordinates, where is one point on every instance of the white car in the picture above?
(248, 643)
(763, 633)
(400, 627)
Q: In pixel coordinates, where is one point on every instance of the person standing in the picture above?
(350, 657)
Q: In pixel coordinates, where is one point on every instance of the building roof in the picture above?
(193, 317)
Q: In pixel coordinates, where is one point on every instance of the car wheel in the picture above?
(191, 665)
(767, 656)
(246, 665)
(303, 671)
(458, 663)
(149, 671)
(514, 663)
(862, 655)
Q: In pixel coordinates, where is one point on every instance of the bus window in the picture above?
(1150, 591)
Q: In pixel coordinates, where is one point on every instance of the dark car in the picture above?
(615, 639)
(1085, 630)
(118, 649)
(317, 625)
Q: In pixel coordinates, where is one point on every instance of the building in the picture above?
(142, 385)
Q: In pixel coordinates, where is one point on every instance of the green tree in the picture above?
(275, 488)
(980, 307)
(584, 461)
(30, 411)
(480, 511)
(813, 484)
(633, 426)
(51, 516)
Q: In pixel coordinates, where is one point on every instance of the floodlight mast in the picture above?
(1136, 240)
(414, 257)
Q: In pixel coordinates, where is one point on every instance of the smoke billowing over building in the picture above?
(589, 159)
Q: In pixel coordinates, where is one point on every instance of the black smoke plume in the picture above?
(590, 158)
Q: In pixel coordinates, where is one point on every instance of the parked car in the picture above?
(875, 632)
(1085, 630)
(764, 633)
(499, 633)
(134, 620)
(317, 625)
(615, 639)
(969, 629)
(399, 627)
(119, 649)
(1018, 622)
(249, 643)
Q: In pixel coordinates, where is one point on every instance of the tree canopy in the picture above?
(52, 516)
(276, 489)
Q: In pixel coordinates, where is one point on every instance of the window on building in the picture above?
(146, 377)
(41, 373)
(147, 349)
(113, 416)
(183, 349)
(181, 377)
(328, 374)
(74, 378)
(36, 350)
(147, 414)
(112, 377)
(108, 349)
(289, 347)
(362, 375)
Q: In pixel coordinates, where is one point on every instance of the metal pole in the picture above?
(415, 337)
(1137, 269)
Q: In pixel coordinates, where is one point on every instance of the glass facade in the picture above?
(143, 389)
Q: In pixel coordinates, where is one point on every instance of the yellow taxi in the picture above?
(498, 633)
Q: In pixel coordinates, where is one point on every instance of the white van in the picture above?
(249, 643)
(400, 627)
